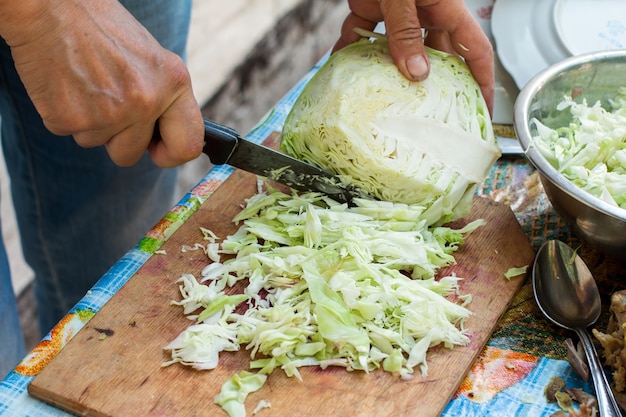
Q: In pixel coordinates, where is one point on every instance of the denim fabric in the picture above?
(77, 212)
(11, 341)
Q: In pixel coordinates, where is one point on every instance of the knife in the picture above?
(509, 146)
(223, 145)
(507, 139)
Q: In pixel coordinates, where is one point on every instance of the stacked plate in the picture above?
(531, 35)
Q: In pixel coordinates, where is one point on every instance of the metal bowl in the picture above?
(595, 76)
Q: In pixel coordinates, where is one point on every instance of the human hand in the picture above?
(92, 71)
(450, 27)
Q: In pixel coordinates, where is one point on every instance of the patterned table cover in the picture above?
(507, 380)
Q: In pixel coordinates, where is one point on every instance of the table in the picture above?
(508, 379)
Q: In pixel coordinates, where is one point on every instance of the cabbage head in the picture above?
(429, 143)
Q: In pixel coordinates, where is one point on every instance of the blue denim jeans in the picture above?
(11, 341)
(77, 212)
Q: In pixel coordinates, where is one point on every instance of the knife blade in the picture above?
(223, 145)
(507, 140)
(509, 146)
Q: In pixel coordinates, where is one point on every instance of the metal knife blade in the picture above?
(507, 140)
(509, 146)
(223, 145)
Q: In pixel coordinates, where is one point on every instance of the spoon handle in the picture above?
(606, 401)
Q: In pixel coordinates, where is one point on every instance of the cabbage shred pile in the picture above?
(325, 285)
(591, 150)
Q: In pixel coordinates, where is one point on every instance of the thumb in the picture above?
(406, 40)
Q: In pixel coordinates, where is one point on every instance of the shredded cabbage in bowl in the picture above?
(591, 150)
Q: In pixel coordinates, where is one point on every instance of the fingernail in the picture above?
(417, 67)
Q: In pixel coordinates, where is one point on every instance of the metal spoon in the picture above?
(567, 295)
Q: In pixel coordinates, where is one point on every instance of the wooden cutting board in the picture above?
(121, 375)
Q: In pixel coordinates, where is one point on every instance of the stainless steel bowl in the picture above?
(594, 76)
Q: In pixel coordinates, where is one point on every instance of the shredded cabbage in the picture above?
(515, 271)
(429, 143)
(327, 285)
(233, 395)
(591, 150)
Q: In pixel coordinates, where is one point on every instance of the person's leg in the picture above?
(77, 212)
(12, 348)
(167, 20)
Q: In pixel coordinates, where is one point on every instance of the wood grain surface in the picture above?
(121, 375)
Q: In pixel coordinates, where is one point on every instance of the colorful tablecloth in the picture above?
(508, 379)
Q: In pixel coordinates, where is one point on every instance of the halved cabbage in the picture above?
(428, 143)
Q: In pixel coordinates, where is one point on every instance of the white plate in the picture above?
(591, 25)
(531, 35)
(505, 89)
(526, 38)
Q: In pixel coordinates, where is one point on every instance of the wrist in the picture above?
(16, 17)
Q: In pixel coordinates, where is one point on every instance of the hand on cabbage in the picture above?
(450, 27)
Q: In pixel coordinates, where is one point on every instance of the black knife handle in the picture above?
(219, 142)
